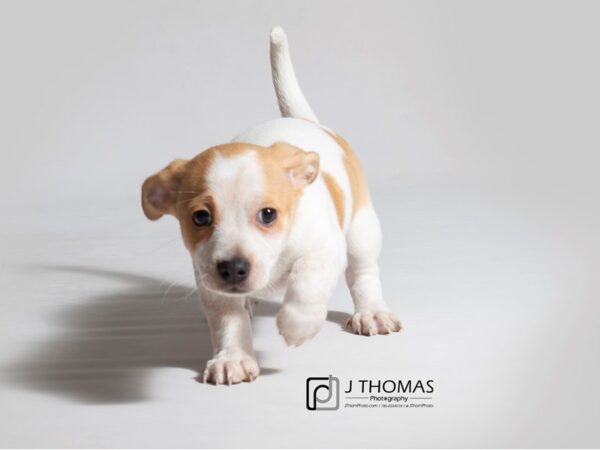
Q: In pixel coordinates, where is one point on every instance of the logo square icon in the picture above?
(322, 393)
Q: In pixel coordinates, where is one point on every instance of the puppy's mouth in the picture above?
(232, 290)
(236, 290)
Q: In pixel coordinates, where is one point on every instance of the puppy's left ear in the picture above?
(160, 191)
(302, 167)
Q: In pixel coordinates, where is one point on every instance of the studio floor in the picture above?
(103, 337)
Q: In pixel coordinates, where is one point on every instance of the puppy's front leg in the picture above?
(229, 323)
(304, 309)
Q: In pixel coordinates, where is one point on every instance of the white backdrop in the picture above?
(477, 126)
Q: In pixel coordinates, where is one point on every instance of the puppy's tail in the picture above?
(289, 96)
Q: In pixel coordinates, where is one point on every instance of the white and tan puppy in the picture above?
(281, 210)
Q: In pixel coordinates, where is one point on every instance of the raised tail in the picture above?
(289, 96)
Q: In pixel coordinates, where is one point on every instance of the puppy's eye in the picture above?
(267, 215)
(202, 218)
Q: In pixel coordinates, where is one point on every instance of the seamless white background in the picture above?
(477, 124)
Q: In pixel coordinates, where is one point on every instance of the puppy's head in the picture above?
(236, 204)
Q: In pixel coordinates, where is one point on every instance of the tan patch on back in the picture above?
(358, 183)
(337, 195)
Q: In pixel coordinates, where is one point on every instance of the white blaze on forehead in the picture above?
(236, 184)
(235, 181)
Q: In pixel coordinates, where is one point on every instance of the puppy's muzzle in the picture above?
(234, 271)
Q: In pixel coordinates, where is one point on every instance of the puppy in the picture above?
(281, 210)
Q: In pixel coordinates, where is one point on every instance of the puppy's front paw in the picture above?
(372, 323)
(231, 368)
(298, 323)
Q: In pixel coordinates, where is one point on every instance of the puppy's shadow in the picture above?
(109, 343)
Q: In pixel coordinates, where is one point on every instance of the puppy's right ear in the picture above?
(159, 191)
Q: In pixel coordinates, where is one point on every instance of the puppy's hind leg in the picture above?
(371, 314)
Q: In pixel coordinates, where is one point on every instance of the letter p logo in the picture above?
(322, 393)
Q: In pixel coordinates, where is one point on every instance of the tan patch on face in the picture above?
(282, 163)
(195, 194)
(358, 183)
(337, 195)
(181, 188)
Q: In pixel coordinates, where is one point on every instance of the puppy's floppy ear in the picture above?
(159, 191)
(302, 167)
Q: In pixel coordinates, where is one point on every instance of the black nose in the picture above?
(234, 271)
